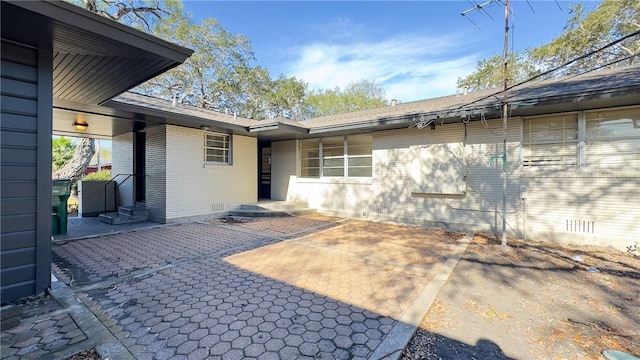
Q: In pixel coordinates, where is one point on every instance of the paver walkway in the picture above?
(309, 287)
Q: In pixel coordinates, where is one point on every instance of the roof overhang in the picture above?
(94, 58)
(178, 115)
(275, 131)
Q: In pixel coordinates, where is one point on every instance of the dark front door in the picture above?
(139, 152)
(264, 170)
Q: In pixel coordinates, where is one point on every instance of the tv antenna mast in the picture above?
(505, 112)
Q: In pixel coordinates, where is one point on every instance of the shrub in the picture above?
(102, 175)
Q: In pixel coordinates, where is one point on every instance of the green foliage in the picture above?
(220, 74)
(584, 33)
(360, 95)
(490, 72)
(611, 20)
(62, 151)
(102, 175)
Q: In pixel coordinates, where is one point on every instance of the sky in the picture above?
(415, 49)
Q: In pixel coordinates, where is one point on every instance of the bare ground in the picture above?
(533, 300)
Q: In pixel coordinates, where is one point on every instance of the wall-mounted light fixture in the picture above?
(80, 124)
(204, 127)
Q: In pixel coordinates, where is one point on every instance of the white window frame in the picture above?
(524, 144)
(226, 148)
(588, 162)
(345, 160)
(583, 162)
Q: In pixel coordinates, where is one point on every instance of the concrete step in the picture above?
(133, 210)
(115, 218)
(270, 213)
(275, 205)
(272, 209)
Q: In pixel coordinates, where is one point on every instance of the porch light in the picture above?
(204, 127)
(80, 125)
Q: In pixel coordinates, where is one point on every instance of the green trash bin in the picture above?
(61, 190)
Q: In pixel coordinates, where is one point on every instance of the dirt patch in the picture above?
(533, 300)
(90, 354)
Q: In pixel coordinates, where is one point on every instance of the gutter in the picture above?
(278, 126)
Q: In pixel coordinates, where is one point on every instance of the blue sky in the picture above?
(415, 49)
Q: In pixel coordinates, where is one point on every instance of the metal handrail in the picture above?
(115, 189)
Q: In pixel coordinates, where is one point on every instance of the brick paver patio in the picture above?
(308, 287)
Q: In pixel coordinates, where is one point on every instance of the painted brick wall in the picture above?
(155, 169)
(392, 195)
(122, 163)
(196, 189)
(569, 206)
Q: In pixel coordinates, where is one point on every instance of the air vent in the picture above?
(218, 207)
(580, 226)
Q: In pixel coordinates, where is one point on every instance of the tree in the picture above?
(359, 95)
(489, 72)
(584, 33)
(62, 149)
(74, 169)
(144, 15)
(140, 14)
(220, 74)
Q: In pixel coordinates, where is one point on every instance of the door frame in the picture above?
(264, 177)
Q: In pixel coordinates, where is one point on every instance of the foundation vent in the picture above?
(379, 209)
(218, 207)
(580, 226)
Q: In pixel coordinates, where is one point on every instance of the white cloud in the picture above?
(409, 66)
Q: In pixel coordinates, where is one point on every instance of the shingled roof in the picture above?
(610, 87)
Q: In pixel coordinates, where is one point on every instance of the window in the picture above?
(606, 139)
(217, 148)
(310, 158)
(359, 160)
(550, 141)
(333, 156)
(343, 156)
(613, 139)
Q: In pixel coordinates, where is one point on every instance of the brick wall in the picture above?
(122, 163)
(196, 189)
(156, 179)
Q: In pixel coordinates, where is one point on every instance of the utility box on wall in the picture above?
(91, 197)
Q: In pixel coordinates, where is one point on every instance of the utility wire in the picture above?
(555, 69)
(467, 106)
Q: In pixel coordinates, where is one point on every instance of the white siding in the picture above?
(195, 189)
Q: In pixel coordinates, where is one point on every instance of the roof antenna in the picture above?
(478, 7)
(505, 107)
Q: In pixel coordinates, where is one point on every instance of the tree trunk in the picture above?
(81, 157)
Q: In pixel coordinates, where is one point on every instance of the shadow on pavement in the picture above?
(430, 345)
